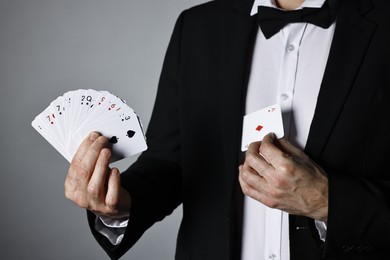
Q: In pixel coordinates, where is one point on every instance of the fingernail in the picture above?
(115, 172)
(93, 136)
(106, 152)
(102, 140)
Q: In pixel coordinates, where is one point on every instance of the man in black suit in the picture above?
(339, 177)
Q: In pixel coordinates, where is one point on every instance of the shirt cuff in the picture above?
(113, 229)
(321, 227)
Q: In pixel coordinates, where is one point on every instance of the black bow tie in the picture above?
(272, 20)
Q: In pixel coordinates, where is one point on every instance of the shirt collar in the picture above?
(271, 3)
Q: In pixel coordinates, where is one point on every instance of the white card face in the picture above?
(258, 124)
(125, 135)
(71, 117)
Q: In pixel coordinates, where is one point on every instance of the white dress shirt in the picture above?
(286, 69)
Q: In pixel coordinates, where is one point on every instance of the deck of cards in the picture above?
(258, 124)
(71, 117)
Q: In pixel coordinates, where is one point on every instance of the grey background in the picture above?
(48, 47)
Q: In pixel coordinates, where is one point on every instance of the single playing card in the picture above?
(258, 124)
(38, 125)
(58, 112)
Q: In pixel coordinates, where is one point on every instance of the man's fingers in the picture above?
(251, 183)
(90, 182)
(256, 160)
(113, 191)
(84, 147)
(251, 176)
(273, 153)
(97, 183)
(92, 154)
(82, 167)
(254, 148)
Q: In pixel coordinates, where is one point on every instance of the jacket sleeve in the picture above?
(154, 180)
(359, 217)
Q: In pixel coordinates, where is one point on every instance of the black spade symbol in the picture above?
(114, 139)
(130, 133)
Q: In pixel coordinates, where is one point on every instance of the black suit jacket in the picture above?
(195, 133)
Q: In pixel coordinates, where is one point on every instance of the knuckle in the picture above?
(68, 192)
(81, 202)
(108, 211)
(245, 190)
(80, 172)
(78, 199)
(83, 205)
(276, 194)
(247, 156)
(68, 195)
(94, 149)
(286, 167)
(111, 203)
(287, 156)
(250, 158)
(93, 190)
(271, 203)
(247, 178)
(265, 147)
(244, 176)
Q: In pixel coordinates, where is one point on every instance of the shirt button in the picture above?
(272, 257)
(291, 47)
(284, 97)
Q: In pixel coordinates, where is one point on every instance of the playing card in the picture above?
(258, 124)
(71, 117)
(39, 126)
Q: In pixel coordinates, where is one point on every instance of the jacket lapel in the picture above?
(351, 39)
(238, 39)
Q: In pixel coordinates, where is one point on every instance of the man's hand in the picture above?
(91, 184)
(281, 176)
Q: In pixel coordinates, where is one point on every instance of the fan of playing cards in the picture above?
(71, 117)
